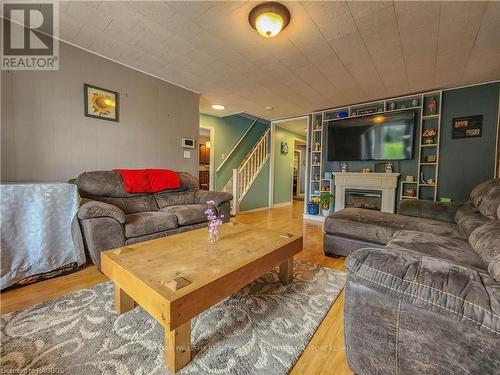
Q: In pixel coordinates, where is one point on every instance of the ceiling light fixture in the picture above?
(218, 107)
(269, 18)
(269, 108)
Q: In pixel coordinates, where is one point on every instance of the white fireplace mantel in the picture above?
(384, 182)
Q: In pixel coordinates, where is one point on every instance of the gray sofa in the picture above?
(110, 217)
(423, 286)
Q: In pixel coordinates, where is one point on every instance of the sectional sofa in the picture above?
(423, 286)
(110, 217)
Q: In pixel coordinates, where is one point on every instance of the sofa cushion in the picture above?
(448, 289)
(469, 218)
(494, 268)
(188, 214)
(380, 227)
(478, 193)
(485, 240)
(456, 250)
(143, 223)
(489, 203)
(166, 199)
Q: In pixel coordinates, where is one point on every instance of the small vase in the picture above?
(429, 141)
(213, 237)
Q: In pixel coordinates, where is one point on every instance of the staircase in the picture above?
(245, 175)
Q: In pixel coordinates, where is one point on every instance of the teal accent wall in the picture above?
(258, 195)
(228, 131)
(283, 164)
(466, 162)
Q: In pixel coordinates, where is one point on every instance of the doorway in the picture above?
(288, 160)
(206, 158)
(299, 168)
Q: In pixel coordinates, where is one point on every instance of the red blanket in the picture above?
(149, 180)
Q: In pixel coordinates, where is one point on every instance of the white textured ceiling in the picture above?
(298, 126)
(331, 54)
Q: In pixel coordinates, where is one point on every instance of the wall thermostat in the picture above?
(188, 143)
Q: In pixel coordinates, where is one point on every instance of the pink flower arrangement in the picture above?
(214, 221)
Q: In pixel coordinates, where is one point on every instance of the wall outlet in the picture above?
(187, 154)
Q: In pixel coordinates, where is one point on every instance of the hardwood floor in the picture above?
(325, 353)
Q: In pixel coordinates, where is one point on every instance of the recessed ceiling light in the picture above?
(305, 130)
(218, 107)
(269, 108)
(269, 18)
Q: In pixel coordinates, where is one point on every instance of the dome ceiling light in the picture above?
(269, 18)
(218, 107)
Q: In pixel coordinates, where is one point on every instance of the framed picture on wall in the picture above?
(100, 103)
(284, 148)
(467, 127)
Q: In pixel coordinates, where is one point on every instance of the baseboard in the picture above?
(254, 210)
(318, 218)
(283, 204)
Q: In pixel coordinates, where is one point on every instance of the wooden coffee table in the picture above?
(176, 278)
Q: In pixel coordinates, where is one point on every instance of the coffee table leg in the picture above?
(123, 302)
(286, 271)
(178, 347)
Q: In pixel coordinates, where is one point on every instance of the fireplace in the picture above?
(369, 199)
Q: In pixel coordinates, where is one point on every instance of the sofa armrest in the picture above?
(96, 209)
(429, 209)
(219, 197)
(457, 292)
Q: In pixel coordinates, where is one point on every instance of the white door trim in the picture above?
(211, 167)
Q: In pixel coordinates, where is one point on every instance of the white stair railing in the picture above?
(245, 175)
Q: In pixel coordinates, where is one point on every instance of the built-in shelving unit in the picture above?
(428, 108)
(430, 119)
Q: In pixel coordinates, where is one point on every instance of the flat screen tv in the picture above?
(372, 137)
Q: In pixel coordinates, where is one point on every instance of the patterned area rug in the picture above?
(262, 329)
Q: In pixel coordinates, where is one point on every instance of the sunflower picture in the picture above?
(100, 103)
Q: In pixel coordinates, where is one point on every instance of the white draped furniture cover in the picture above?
(36, 229)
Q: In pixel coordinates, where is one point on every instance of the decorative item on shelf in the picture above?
(284, 148)
(388, 167)
(316, 192)
(316, 177)
(445, 200)
(366, 111)
(342, 114)
(313, 206)
(392, 106)
(324, 201)
(428, 136)
(410, 192)
(317, 146)
(431, 159)
(422, 178)
(317, 126)
(214, 222)
(328, 175)
(380, 110)
(343, 167)
(353, 113)
(366, 170)
(431, 107)
(403, 106)
(409, 179)
(326, 188)
(414, 102)
(430, 181)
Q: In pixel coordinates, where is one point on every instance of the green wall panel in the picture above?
(258, 195)
(283, 164)
(228, 131)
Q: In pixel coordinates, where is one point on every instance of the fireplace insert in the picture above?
(369, 199)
